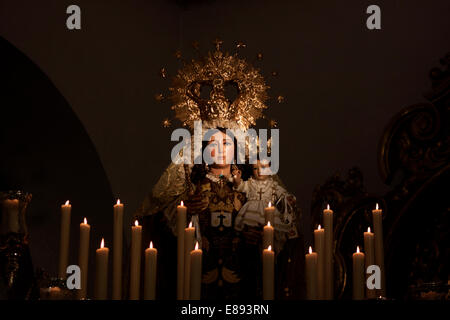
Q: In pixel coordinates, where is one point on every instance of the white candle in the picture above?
(117, 251)
(268, 273)
(268, 235)
(329, 243)
(101, 272)
(377, 215)
(358, 275)
(150, 272)
(83, 257)
(181, 225)
(269, 212)
(319, 244)
(189, 234)
(135, 267)
(370, 259)
(196, 273)
(64, 239)
(311, 275)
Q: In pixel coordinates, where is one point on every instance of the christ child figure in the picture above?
(261, 189)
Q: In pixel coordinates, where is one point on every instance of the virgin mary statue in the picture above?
(232, 263)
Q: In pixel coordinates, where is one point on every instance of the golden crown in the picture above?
(217, 70)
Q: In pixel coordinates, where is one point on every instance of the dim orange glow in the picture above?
(102, 244)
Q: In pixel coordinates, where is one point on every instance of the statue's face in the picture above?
(257, 170)
(221, 148)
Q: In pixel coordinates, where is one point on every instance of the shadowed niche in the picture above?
(45, 150)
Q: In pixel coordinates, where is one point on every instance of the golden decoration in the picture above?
(259, 56)
(177, 54)
(163, 73)
(240, 44)
(273, 123)
(159, 97)
(218, 43)
(274, 73)
(218, 69)
(166, 123)
(280, 99)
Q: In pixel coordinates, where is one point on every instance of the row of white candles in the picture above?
(189, 272)
(102, 258)
(319, 264)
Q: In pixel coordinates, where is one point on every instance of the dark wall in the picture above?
(342, 82)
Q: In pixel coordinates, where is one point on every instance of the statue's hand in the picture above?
(237, 174)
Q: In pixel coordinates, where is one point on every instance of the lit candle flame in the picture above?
(357, 249)
(118, 201)
(196, 245)
(270, 204)
(319, 227)
(85, 221)
(268, 223)
(310, 250)
(269, 248)
(67, 202)
(136, 223)
(102, 244)
(368, 229)
(151, 244)
(376, 206)
(328, 206)
(182, 203)
(190, 224)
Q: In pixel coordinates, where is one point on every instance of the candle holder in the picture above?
(56, 289)
(16, 269)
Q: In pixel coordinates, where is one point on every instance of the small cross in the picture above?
(218, 43)
(221, 217)
(260, 193)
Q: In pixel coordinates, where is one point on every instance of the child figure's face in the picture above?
(257, 170)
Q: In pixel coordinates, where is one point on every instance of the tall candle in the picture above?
(135, 267)
(319, 244)
(150, 272)
(196, 273)
(370, 259)
(329, 243)
(181, 225)
(189, 234)
(358, 275)
(377, 215)
(269, 212)
(101, 272)
(117, 251)
(268, 235)
(311, 275)
(83, 257)
(64, 239)
(268, 273)
(10, 218)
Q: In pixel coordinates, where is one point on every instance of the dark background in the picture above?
(342, 84)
